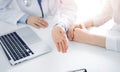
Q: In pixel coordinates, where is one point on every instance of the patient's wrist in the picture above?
(60, 26)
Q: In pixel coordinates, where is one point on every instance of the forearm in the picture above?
(65, 15)
(96, 40)
(23, 19)
(10, 15)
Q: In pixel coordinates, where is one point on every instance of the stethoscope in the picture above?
(28, 3)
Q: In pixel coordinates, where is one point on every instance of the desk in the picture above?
(94, 59)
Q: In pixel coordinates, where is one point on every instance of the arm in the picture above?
(13, 16)
(8, 14)
(85, 37)
(97, 40)
(108, 42)
(104, 15)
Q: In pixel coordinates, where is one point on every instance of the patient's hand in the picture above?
(37, 22)
(60, 38)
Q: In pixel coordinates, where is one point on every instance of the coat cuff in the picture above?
(111, 43)
(23, 19)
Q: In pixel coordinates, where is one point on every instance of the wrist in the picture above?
(97, 40)
(27, 20)
(23, 19)
(88, 38)
(60, 26)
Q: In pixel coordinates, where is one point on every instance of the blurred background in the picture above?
(88, 8)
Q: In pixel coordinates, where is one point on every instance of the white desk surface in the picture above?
(94, 59)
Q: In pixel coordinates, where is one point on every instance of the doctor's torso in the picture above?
(32, 7)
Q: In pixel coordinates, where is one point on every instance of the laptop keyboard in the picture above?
(15, 47)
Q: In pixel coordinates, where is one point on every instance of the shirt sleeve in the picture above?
(65, 13)
(113, 40)
(23, 19)
(104, 15)
(111, 43)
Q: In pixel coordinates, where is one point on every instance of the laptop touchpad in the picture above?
(28, 35)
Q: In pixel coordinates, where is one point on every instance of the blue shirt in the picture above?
(23, 19)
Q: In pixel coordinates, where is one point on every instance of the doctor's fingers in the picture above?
(71, 33)
(42, 22)
(72, 29)
(36, 22)
(35, 25)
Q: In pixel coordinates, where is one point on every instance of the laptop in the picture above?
(21, 45)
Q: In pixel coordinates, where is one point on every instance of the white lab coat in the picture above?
(111, 10)
(63, 11)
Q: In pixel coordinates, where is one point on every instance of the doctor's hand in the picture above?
(37, 22)
(81, 35)
(60, 38)
(84, 26)
(71, 30)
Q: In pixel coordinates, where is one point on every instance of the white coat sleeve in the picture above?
(113, 43)
(65, 12)
(113, 38)
(104, 15)
(9, 14)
